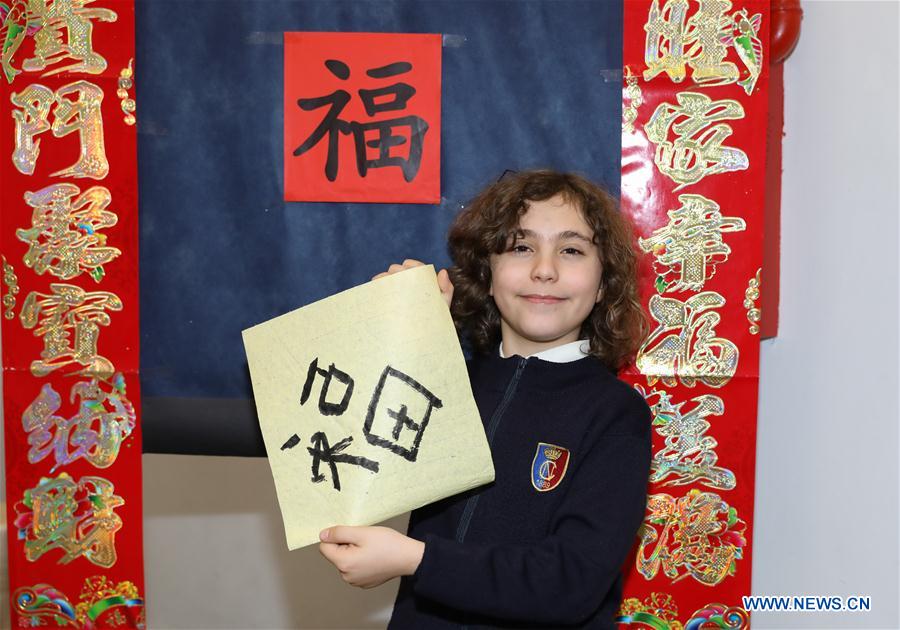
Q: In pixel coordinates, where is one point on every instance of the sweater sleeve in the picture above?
(564, 578)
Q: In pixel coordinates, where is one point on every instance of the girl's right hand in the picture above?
(443, 277)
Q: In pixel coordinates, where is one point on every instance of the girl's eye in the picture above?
(573, 251)
(520, 248)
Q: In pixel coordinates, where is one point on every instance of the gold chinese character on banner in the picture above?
(688, 249)
(67, 310)
(104, 420)
(696, 149)
(66, 236)
(65, 33)
(698, 535)
(77, 518)
(76, 107)
(688, 454)
(674, 40)
(683, 347)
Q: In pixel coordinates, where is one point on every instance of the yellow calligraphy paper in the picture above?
(365, 405)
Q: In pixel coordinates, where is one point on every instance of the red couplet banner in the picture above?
(69, 244)
(693, 171)
(362, 117)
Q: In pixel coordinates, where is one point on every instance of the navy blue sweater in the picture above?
(509, 556)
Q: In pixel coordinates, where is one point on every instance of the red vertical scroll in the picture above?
(693, 180)
(69, 241)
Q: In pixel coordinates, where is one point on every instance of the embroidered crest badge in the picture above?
(549, 466)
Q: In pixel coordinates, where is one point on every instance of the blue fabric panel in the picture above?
(525, 84)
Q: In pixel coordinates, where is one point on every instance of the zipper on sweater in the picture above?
(472, 502)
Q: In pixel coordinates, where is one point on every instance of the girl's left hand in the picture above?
(370, 556)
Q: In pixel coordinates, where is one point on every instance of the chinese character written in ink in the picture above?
(389, 423)
(375, 134)
(322, 451)
(327, 408)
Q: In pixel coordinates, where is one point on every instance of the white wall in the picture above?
(826, 483)
(827, 466)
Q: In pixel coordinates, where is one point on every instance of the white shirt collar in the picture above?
(565, 353)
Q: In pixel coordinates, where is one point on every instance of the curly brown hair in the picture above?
(615, 326)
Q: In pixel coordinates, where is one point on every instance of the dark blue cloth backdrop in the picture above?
(526, 84)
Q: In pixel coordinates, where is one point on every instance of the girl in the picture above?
(545, 291)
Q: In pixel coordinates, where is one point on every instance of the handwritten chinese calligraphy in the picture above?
(388, 417)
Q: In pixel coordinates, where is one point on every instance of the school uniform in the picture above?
(543, 545)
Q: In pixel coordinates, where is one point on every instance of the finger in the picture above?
(409, 263)
(329, 551)
(341, 534)
(395, 268)
(380, 275)
(444, 282)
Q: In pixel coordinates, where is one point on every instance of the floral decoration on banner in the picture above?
(101, 604)
(127, 103)
(659, 612)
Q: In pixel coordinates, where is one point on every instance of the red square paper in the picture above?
(362, 117)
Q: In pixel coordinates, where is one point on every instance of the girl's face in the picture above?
(548, 280)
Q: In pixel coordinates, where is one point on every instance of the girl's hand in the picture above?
(370, 556)
(443, 277)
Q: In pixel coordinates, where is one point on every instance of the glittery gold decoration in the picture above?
(66, 236)
(688, 454)
(31, 120)
(77, 108)
(698, 535)
(65, 34)
(99, 589)
(12, 289)
(696, 150)
(635, 100)
(69, 309)
(658, 610)
(701, 42)
(683, 347)
(100, 605)
(125, 83)
(104, 420)
(77, 518)
(754, 314)
(688, 249)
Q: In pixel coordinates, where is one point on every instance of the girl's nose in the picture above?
(544, 269)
